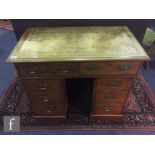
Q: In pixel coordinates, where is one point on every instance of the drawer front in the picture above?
(122, 68)
(113, 84)
(107, 109)
(46, 99)
(44, 85)
(111, 97)
(46, 110)
(109, 68)
(47, 69)
(90, 68)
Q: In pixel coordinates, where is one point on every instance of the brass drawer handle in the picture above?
(110, 97)
(48, 110)
(64, 69)
(113, 84)
(42, 86)
(45, 98)
(106, 107)
(124, 67)
(32, 70)
(92, 68)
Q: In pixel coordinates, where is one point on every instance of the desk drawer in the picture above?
(46, 69)
(44, 110)
(106, 109)
(44, 85)
(122, 68)
(112, 97)
(109, 68)
(113, 84)
(47, 99)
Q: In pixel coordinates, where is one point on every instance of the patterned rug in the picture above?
(139, 111)
(6, 24)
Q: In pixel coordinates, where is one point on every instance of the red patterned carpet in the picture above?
(6, 24)
(139, 111)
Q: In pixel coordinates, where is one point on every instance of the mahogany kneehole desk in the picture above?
(46, 57)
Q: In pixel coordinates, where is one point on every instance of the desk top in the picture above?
(94, 43)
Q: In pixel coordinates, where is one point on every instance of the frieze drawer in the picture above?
(47, 69)
(109, 68)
